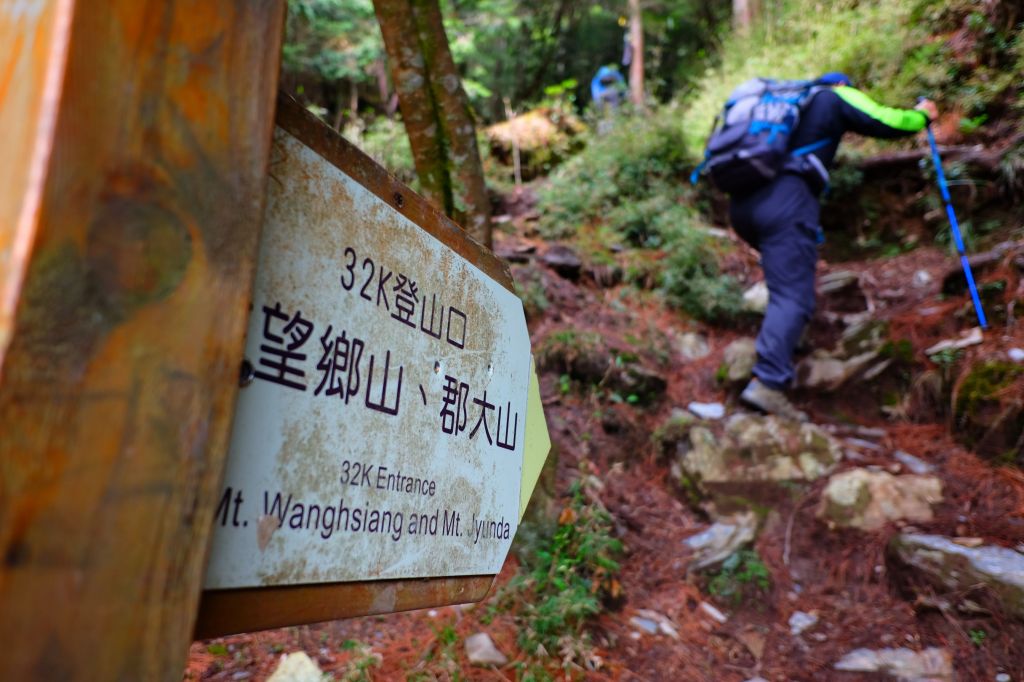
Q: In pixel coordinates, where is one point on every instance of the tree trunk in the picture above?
(380, 69)
(435, 110)
(636, 65)
(744, 14)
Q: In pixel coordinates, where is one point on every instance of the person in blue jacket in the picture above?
(607, 88)
(780, 220)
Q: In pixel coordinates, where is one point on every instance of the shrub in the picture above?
(693, 282)
(572, 573)
(635, 160)
(742, 576)
(384, 139)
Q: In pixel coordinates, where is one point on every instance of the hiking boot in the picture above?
(770, 400)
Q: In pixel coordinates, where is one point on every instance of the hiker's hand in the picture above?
(929, 109)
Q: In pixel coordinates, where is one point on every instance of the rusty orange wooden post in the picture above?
(136, 135)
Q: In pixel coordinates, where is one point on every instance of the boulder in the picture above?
(543, 137)
(755, 299)
(915, 465)
(857, 353)
(480, 650)
(738, 360)
(864, 337)
(931, 665)
(988, 410)
(823, 372)
(707, 411)
(840, 291)
(722, 539)
(953, 567)
(868, 500)
(692, 346)
(674, 431)
(563, 260)
(297, 667)
(582, 355)
(838, 281)
(633, 379)
(753, 456)
(801, 621)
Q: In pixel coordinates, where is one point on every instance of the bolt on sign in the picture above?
(381, 426)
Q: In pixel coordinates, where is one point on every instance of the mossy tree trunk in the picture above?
(435, 110)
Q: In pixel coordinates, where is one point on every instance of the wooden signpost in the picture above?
(142, 148)
(377, 459)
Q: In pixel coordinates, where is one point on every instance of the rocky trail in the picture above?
(882, 540)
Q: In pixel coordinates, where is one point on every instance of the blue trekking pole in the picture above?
(944, 189)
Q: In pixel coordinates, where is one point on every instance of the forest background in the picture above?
(636, 294)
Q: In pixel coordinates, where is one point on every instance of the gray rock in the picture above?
(756, 450)
(646, 624)
(661, 622)
(692, 346)
(838, 281)
(824, 372)
(480, 650)
(296, 667)
(972, 337)
(922, 278)
(914, 465)
(755, 299)
(739, 358)
(857, 353)
(1003, 677)
(864, 337)
(868, 500)
(563, 260)
(674, 430)
(722, 539)
(801, 620)
(1016, 354)
(951, 566)
(710, 411)
(635, 379)
(931, 665)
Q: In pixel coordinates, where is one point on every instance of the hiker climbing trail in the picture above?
(873, 530)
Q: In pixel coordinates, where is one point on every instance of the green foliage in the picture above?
(529, 283)
(515, 51)
(441, 661)
(977, 636)
(217, 649)
(385, 140)
(889, 48)
(631, 180)
(692, 281)
(579, 354)
(363, 659)
(331, 39)
(983, 383)
(565, 584)
(743, 576)
(642, 157)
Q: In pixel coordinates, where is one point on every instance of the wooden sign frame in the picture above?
(128, 239)
(231, 611)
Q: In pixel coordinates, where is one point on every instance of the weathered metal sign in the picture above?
(382, 433)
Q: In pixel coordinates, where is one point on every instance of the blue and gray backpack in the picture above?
(749, 142)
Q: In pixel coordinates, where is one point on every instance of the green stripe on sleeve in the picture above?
(909, 120)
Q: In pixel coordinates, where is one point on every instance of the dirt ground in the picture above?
(842, 576)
